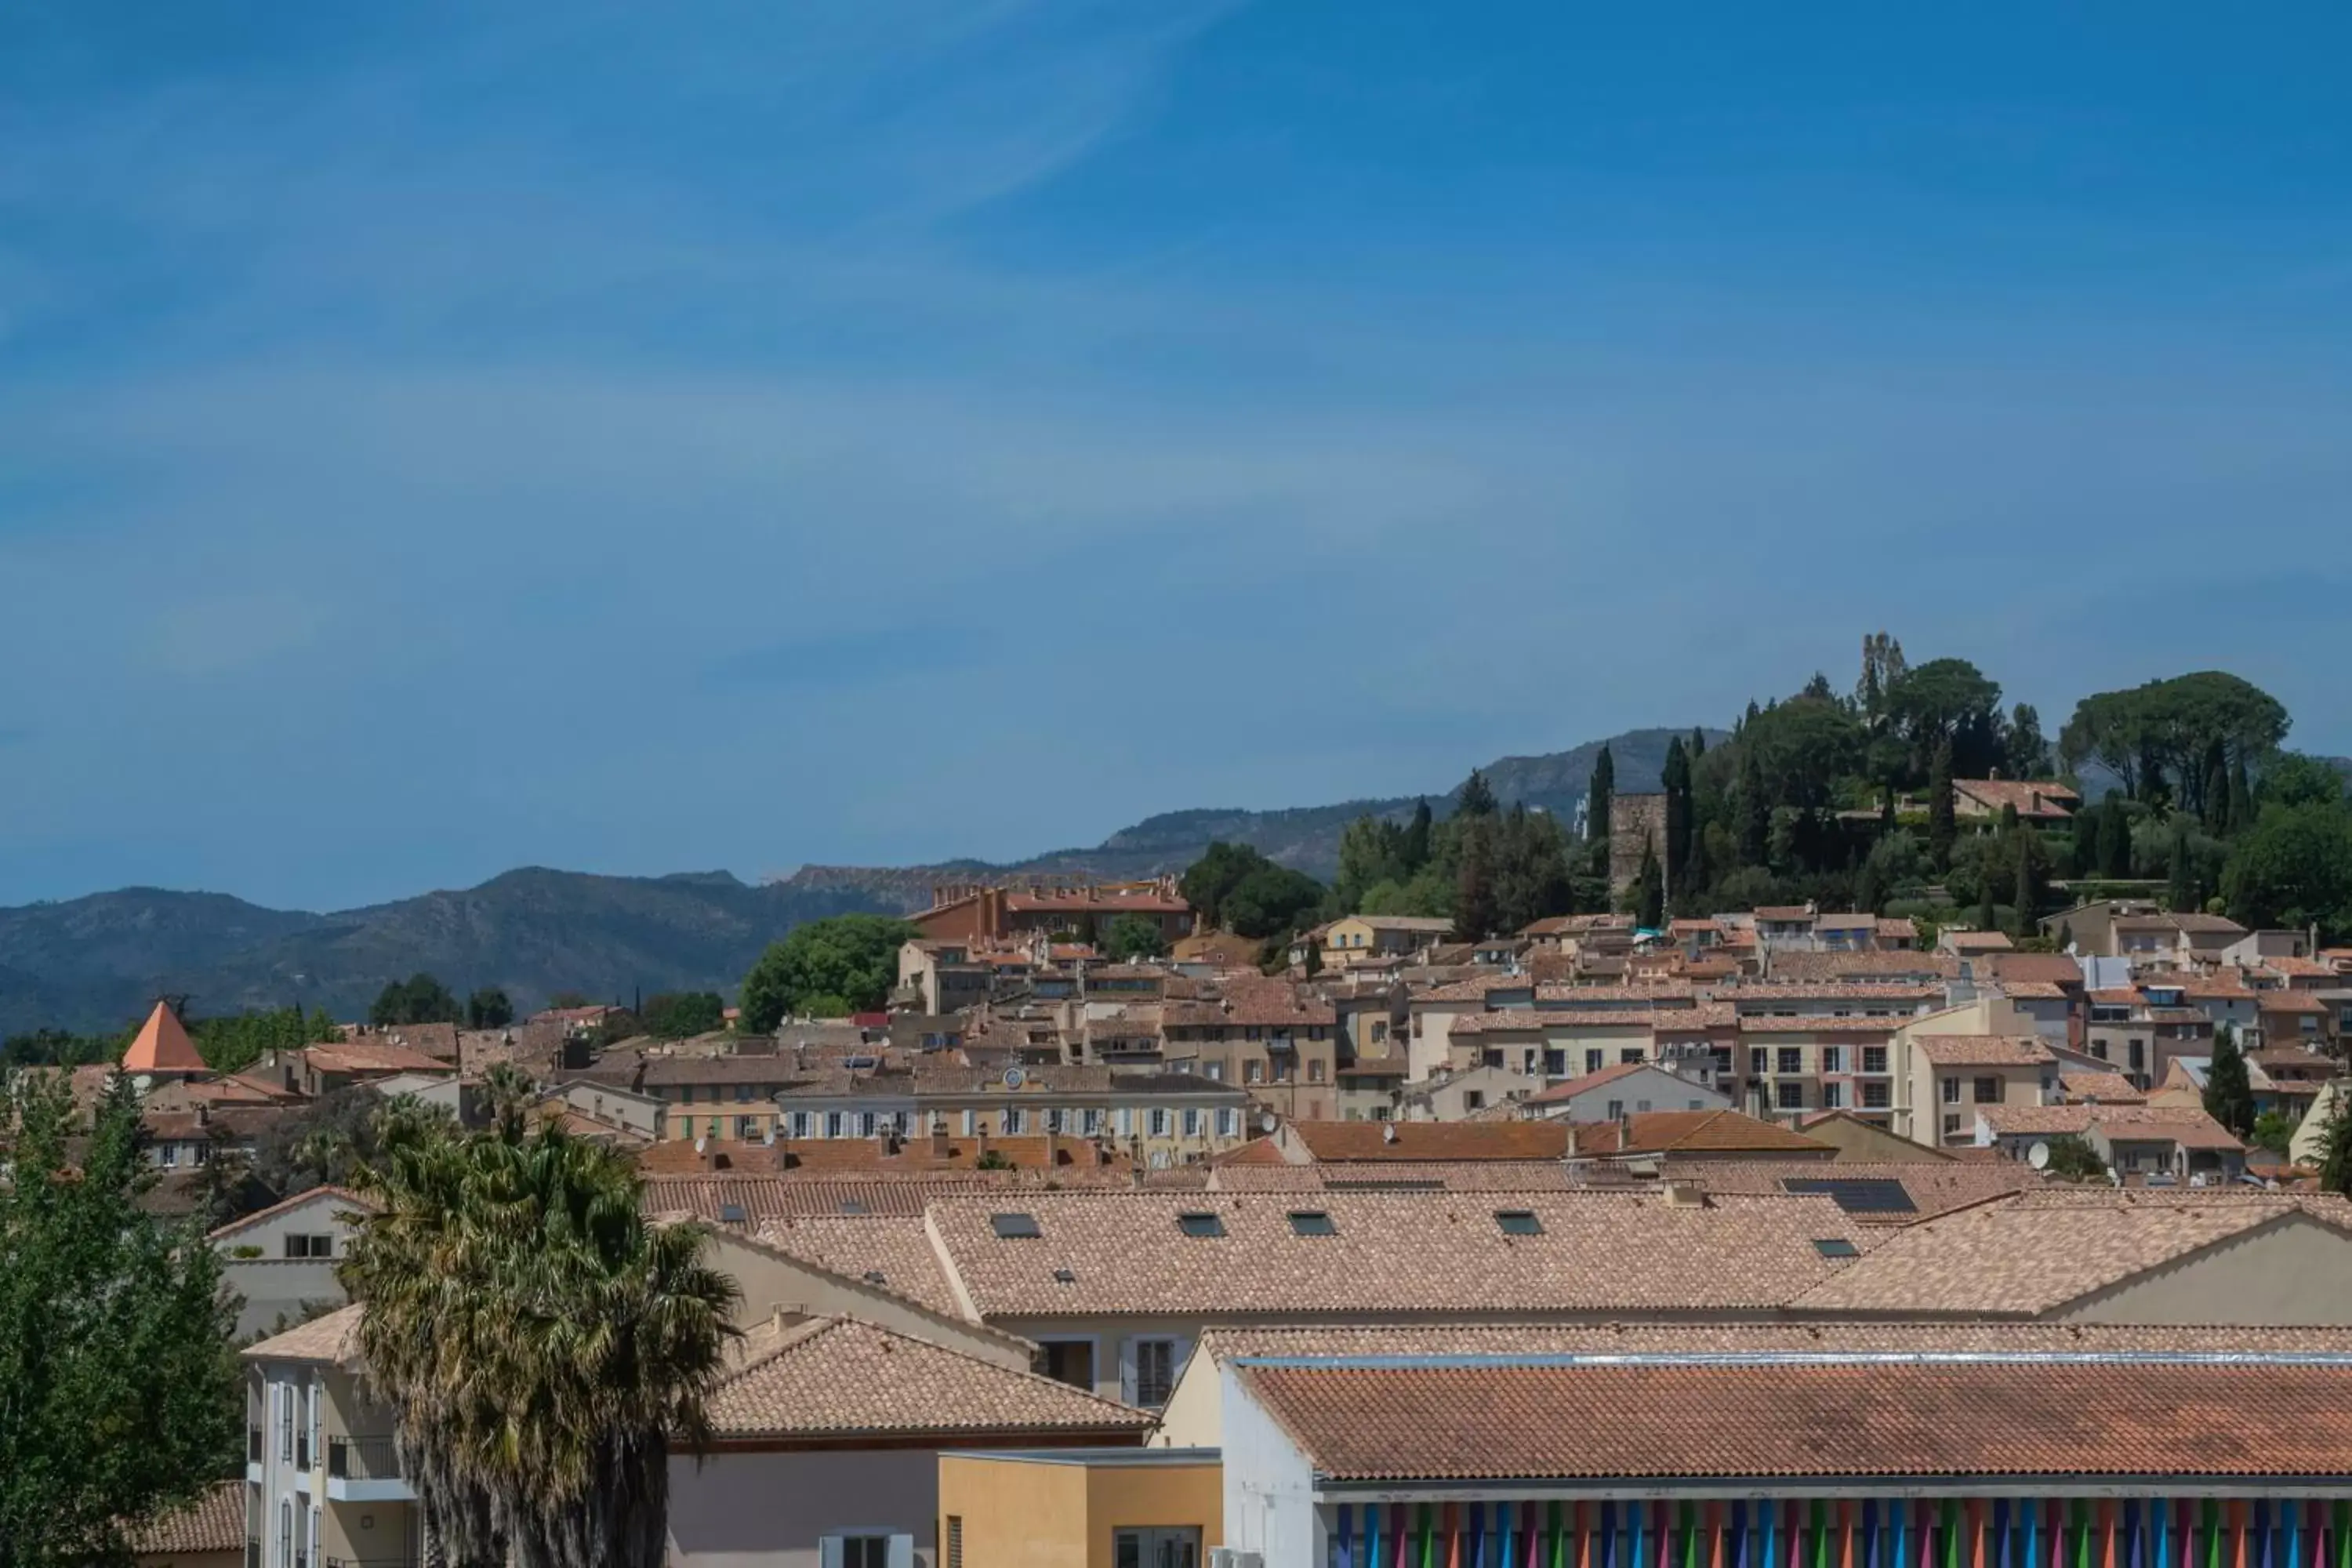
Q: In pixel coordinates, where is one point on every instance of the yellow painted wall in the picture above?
(1024, 1514)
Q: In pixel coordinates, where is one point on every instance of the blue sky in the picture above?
(437, 437)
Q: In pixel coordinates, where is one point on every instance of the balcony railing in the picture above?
(362, 1458)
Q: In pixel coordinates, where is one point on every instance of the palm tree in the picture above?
(541, 1342)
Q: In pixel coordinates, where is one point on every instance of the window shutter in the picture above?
(970, 1122)
(1126, 1121)
(828, 1552)
(1127, 1368)
(902, 1552)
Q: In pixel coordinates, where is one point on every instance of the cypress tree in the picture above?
(1987, 917)
(2242, 798)
(2114, 840)
(1676, 778)
(1475, 914)
(1697, 743)
(2228, 1090)
(1414, 852)
(1477, 797)
(2027, 895)
(1755, 811)
(1943, 826)
(2181, 894)
(1597, 799)
(2216, 793)
(1650, 892)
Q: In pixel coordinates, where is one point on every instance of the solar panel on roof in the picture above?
(1856, 1194)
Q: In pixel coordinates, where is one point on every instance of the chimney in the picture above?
(1686, 1194)
(1571, 1151)
(203, 1113)
(939, 1142)
(1052, 1148)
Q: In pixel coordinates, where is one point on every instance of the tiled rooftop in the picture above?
(894, 1253)
(213, 1523)
(1391, 1253)
(838, 1377)
(1983, 1050)
(333, 1337)
(1446, 1140)
(1831, 1417)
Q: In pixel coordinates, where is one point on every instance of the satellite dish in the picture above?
(1014, 1078)
(2038, 1156)
(1266, 1123)
(141, 1082)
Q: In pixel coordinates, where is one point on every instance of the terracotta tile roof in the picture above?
(342, 1198)
(1712, 1131)
(2032, 990)
(1435, 1175)
(1817, 1024)
(368, 1056)
(2036, 1252)
(1933, 1186)
(333, 1339)
(163, 1046)
(2290, 1002)
(2055, 968)
(2107, 1088)
(1589, 1082)
(2034, 1415)
(1976, 941)
(1785, 915)
(2289, 967)
(2183, 1124)
(709, 1198)
(213, 1522)
(1541, 1020)
(1982, 1050)
(838, 1377)
(1390, 1253)
(1450, 1141)
(895, 1254)
(1783, 989)
(2046, 800)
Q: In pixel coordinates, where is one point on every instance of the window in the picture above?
(1192, 1123)
(1630, 1055)
(1214, 1071)
(1592, 1059)
(310, 1246)
(2139, 1056)
(1518, 1222)
(1315, 1071)
(1380, 1031)
(1792, 1058)
(1201, 1223)
(1229, 1123)
(1555, 1064)
(1760, 1060)
(1951, 1092)
(1154, 1365)
(1015, 1226)
(1988, 1092)
(1832, 1096)
(1312, 1222)
(955, 1541)
(855, 1550)
(285, 1423)
(170, 1154)
(1874, 1058)
(742, 1094)
(1951, 1126)
(1157, 1122)
(1833, 1059)
(1167, 1548)
(1253, 1071)
(1875, 1097)
(1065, 1361)
(1616, 1110)
(1789, 1096)
(832, 1123)
(1836, 1247)
(1013, 1120)
(800, 1124)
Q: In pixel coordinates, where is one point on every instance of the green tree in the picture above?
(1599, 798)
(2114, 839)
(2159, 735)
(1476, 797)
(2072, 1159)
(1272, 901)
(1476, 912)
(2228, 1090)
(682, 1014)
(1676, 779)
(119, 1396)
(1988, 915)
(2294, 779)
(1943, 826)
(419, 999)
(1650, 894)
(1754, 808)
(1209, 881)
(1130, 937)
(2029, 749)
(524, 1436)
(236, 1042)
(1415, 848)
(489, 1008)
(853, 958)
(2293, 869)
(2180, 870)
(1948, 701)
(2272, 1131)
(2336, 1150)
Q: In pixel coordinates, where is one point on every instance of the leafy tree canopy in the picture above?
(850, 960)
(122, 1398)
(2293, 869)
(419, 999)
(489, 1008)
(1130, 937)
(2159, 736)
(1234, 888)
(681, 1015)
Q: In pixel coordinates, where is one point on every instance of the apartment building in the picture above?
(1278, 1046)
(1157, 1120)
(323, 1478)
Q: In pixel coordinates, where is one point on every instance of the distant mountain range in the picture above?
(97, 963)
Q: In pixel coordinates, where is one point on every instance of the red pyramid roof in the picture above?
(163, 1046)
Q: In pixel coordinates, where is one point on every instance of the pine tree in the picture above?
(1477, 796)
(1597, 797)
(1413, 853)
(1650, 892)
(2228, 1090)
(1943, 827)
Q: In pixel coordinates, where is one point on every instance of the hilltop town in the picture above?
(1472, 1205)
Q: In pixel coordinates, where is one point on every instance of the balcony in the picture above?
(365, 1470)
